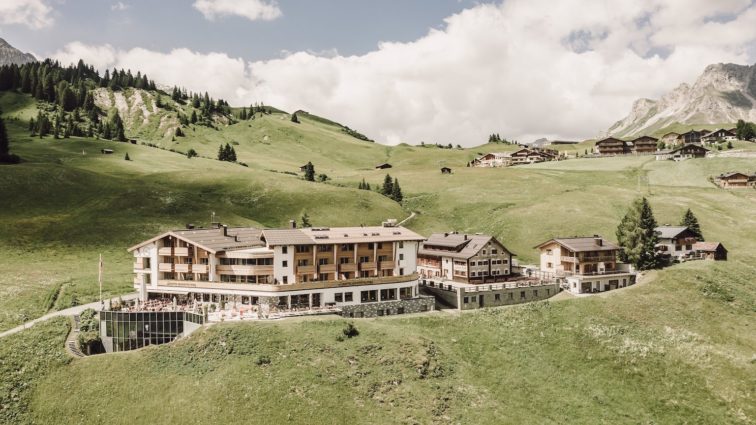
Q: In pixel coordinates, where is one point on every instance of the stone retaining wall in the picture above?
(388, 308)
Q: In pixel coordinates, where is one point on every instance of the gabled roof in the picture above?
(582, 244)
(690, 146)
(732, 174)
(708, 246)
(670, 232)
(462, 246)
(338, 235)
(670, 134)
(645, 138)
(213, 240)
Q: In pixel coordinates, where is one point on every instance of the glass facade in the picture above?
(132, 330)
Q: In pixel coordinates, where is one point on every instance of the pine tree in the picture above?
(690, 221)
(396, 192)
(179, 133)
(294, 118)
(636, 235)
(193, 119)
(306, 220)
(5, 155)
(388, 186)
(127, 157)
(231, 153)
(221, 153)
(309, 172)
(191, 153)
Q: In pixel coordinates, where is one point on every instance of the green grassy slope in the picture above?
(678, 349)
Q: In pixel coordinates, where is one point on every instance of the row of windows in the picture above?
(485, 262)
(246, 261)
(510, 296)
(485, 273)
(246, 279)
(329, 248)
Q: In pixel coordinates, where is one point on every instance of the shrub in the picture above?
(350, 331)
(262, 360)
(191, 153)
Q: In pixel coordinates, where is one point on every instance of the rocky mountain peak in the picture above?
(9, 54)
(723, 93)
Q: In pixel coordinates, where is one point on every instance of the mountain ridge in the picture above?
(11, 55)
(723, 93)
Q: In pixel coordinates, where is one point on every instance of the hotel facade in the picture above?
(347, 268)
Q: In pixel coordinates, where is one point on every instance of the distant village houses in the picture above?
(521, 156)
(687, 151)
(735, 180)
(613, 146)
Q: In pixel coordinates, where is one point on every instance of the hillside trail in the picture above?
(72, 311)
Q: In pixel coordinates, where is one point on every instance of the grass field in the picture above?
(679, 349)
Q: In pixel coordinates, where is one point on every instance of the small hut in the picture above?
(446, 170)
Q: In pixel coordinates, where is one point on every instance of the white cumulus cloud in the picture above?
(254, 10)
(31, 13)
(524, 69)
(119, 7)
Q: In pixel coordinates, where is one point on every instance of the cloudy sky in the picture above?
(447, 71)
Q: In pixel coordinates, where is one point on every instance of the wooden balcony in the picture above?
(305, 269)
(567, 259)
(348, 267)
(181, 268)
(165, 267)
(199, 268)
(370, 265)
(386, 265)
(181, 251)
(166, 251)
(599, 259)
(327, 268)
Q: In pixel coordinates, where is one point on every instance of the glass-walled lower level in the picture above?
(124, 331)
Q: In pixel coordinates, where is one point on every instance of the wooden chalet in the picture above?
(612, 146)
(644, 144)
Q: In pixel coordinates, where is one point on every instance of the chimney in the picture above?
(292, 224)
(465, 236)
(225, 230)
(236, 238)
(446, 234)
(599, 241)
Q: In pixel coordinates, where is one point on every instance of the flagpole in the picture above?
(102, 303)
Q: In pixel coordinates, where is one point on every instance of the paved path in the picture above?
(67, 312)
(411, 216)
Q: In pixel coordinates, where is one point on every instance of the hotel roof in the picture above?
(582, 244)
(459, 245)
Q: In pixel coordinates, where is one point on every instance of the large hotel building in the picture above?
(362, 270)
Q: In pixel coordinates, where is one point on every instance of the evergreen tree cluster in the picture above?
(69, 86)
(495, 138)
(637, 236)
(226, 153)
(309, 172)
(363, 185)
(745, 130)
(5, 155)
(392, 189)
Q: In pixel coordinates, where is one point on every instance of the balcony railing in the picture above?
(245, 270)
(181, 268)
(323, 284)
(199, 268)
(166, 251)
(305, 269)
(165, 267)
(181, 251)
(589, 259)
(327, 268)
(369, 265)
(386, 265)
(348, 267)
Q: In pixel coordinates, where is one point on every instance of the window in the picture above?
(535, 292)
(494, 251)
(323, 276)
(364, 259)
(548, 252)
(549, 265)
(380, 245)
(339, 297)
(285, 280)
(346, 247)
(401, 272)
(511, 295)
(371, 245)
(401, 257)
(345, 260)
(522, 295)
(484, 252)
(369, 296)
(388, 294)
(284, 263)
(405, 293)
(348, 297)
(466, 300)
(303, 248)
(474, 298)
(325, 248)
(401, 244)
(322, 261)
(497, 297)
(201, 261)
(284, 249)
(302, 263)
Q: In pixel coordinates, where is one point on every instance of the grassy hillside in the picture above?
(678, 349)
